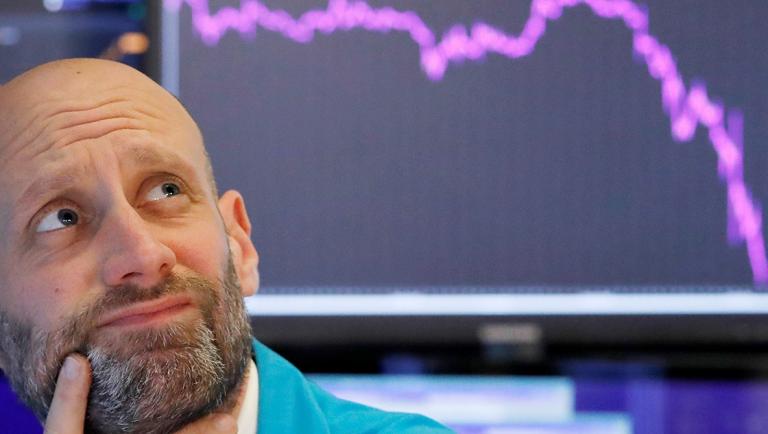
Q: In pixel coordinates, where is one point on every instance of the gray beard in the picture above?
(152, 381)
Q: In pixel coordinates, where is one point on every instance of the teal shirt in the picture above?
(289, 403)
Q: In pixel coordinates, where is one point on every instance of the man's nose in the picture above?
(134, 255)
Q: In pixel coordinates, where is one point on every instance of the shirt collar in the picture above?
(248, 417)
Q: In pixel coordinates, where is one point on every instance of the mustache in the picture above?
(77, 330)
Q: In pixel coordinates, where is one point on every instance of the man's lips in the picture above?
(147, 312)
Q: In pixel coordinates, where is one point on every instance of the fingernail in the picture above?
(70, 370)
(224, 423)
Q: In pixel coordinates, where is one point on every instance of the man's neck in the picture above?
(234, 401)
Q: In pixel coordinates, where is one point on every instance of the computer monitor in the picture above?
(538, 168)
(633, 404)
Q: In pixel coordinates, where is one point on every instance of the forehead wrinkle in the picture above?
(55, 117)
(95, 130)
(94, 122)
(49, 109)
(81, 114)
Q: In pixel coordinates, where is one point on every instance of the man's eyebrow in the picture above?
(67, 176)
(60, 180)
(151, 157)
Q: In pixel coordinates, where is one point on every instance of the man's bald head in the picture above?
(74, 80)
(71, 85)
(62, 77)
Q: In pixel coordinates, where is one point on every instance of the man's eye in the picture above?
(164, 190)
(58, 219)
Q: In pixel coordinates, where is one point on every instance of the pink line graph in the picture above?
(686, 107)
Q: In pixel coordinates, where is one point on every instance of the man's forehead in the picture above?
(78, 83)
(76, 99)
(144, 132)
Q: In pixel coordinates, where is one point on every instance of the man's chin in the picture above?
(144, 385)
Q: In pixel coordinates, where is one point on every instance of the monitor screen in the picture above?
(450, 157)
(565, 405)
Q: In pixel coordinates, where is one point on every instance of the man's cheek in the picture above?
(42, 300)
(197, 255)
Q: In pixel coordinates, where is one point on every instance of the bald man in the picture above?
(122, 272)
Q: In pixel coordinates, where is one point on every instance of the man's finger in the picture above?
(67, 412)
(212, 424)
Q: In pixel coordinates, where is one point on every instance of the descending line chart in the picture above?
(686, 105)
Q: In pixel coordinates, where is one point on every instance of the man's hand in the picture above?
(67, 412)
(70, 400)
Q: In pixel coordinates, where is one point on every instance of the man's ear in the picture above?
(244, 255)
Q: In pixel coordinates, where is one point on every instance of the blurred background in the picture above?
(513, 216)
